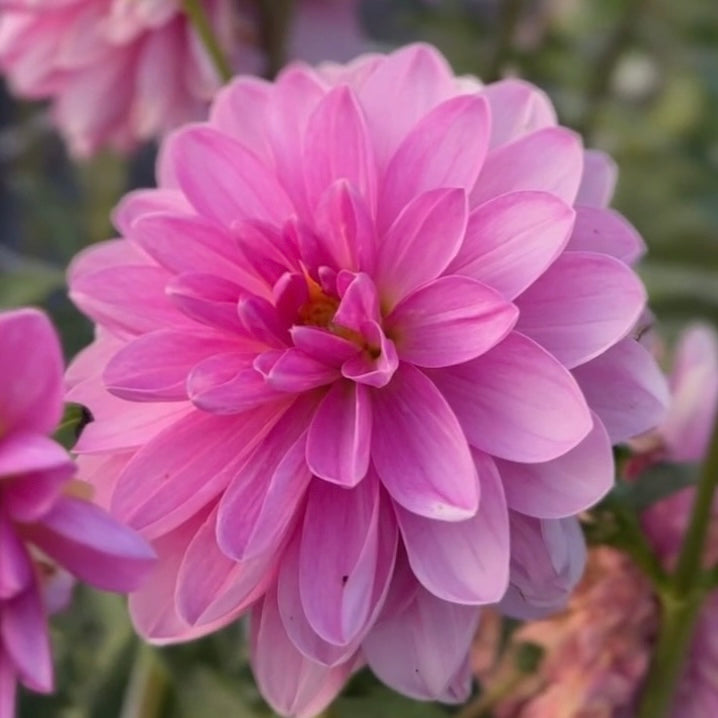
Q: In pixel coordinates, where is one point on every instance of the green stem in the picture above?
(678, 620)
(275, 19)
(691, 556)
(198, 17)
(682, 597)
(482, 705)
(147, 690)
(510, 13)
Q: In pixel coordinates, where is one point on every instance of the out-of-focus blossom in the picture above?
(597, 651)
(46, 531)
(122, 71)
(375, 320)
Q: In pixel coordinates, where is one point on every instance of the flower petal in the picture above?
(598, 180)
(512, 239)
(16, 572)
(517, 402)
(564, 486)
(607, 232)
(467, 561)
(449, 321)
(581, 305)
(420, 451)
(339, 439)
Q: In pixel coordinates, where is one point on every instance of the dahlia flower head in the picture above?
(597, 652)
(119, 72)
(360, 361)
(47, 532)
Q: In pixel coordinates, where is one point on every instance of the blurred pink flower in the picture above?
(374, 325)
(122, 71)
(43, 527)
(598, 650)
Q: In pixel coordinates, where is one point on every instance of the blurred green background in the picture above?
(639, 78)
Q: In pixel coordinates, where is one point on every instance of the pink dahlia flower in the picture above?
(45, 530)
(373, 327)
(122, 71)
(598, 650)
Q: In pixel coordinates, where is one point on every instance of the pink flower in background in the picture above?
(598, 650)
(123, 71)
(45, 532)
(373, 326)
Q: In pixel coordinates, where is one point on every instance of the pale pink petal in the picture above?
(418, 651)
(420, 451)
(549, 160)
(155, 366)
(517, 108)
(517, 402)
(292, 684)
(339, 439)
(580, 306)
(31, 394)
(449, 321)
(25, 639)
(511, 239)
(90, 544)
(605, 231)
(16, 570)
(598, 180)
(445, 149)
(467, 561)
(624, 376)
(222, 179)
(296, 372)
(337, 146)
(420, 244)
(564, 486)
(141, 202)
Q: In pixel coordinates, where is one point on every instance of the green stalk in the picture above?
(198, 17)
(682, 597)
(148, 687)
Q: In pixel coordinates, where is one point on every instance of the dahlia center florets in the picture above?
(320, 308)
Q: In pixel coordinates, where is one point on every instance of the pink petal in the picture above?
(296, 372)
(419, 651)
(222, 179)
(463, 562)
(549, 160)
(292, 684)
(172, 477)
(417, 78)
(33, 470)
(512, 239)
(141, 202)
(336, 577)
(564, 486)
(321, 344)
(598, 180)
(420, 451)
(445, 149)
(376, 364)
(90, 544)
(517, 108)
(207, 578)
(420, 244)
(16, 571)
(339, 439)
(583, 304)
(8, 686)
(155, 366)
(31, 391)
(26, 640)
(449, 321)
(344, 224)
(547, 561)
(266, 494)
(337, 146)
(359, 303)
(625, 388)
(607, 232)
(517, 402)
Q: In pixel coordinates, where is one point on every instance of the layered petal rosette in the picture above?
(373, 326)
(122, 71)
(47, 532)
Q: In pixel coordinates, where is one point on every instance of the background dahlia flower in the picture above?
(597, 652)
(47, 531)
(360, 360)
(123, 71)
